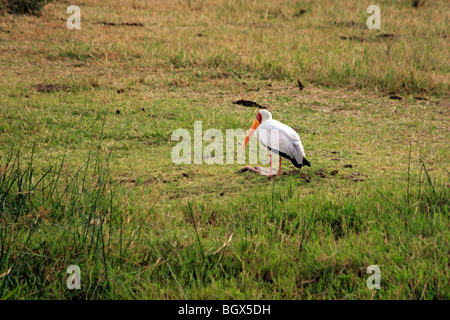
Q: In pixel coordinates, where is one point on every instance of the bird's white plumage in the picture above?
(288, 142)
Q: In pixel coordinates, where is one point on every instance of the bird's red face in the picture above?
(255, 125)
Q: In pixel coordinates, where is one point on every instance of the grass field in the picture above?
(86, 176)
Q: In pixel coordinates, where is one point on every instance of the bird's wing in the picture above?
(274, 124)
(289, 141)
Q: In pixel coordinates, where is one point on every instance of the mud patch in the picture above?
(350, 24)
(383, 36)
(305, 177)
(321, 173)
(248, 103)
(355, 176)
(129, 24)
(48, 88)
(299, 13)
(353, 38)
(387, 36)
(168, 115)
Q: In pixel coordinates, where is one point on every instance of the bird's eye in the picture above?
(259, 117)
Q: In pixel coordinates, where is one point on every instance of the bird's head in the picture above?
(262, 116)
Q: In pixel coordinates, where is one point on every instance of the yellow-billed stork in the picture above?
(279, 139)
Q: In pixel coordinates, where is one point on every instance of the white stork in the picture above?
(288, 144)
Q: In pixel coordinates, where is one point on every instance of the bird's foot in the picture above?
(248, 168)
(266, 172)
(262, 171)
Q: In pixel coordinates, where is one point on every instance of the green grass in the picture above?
(282, 243)
(86, 176)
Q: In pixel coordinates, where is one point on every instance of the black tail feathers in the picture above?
(299, 165)
(306, 163)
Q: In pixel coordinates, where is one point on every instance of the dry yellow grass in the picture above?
(269, 39)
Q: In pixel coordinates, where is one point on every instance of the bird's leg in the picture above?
(279, 169)
(271, 172)
(265, 171)
(262, 171)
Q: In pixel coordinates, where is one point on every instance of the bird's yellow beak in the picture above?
(255, 125)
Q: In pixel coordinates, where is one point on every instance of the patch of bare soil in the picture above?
(355, 176)
(46, 88)
(350, 24)
(248, 103)
(130, 24)
(383, 36)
